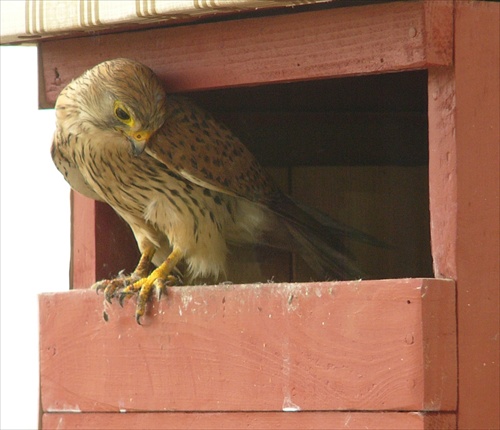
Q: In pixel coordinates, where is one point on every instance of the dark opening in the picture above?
(355, 148)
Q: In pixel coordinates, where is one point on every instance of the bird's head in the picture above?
(130, 125)
(122, 96)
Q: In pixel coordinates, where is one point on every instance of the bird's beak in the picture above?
(139, 140)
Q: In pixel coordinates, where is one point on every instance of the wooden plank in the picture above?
(439, 31)
(102, 244)
(442, 171)
(390, 203)
(477, 83)
(116, 247)
(249, 420)
(83, 241)
(328, 346)
(310, 45)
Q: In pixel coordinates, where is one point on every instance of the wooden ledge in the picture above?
(353, 346)
(252, 420)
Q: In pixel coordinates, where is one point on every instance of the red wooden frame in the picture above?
(458, 42)
(309, 347)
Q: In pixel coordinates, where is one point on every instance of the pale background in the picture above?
(35, 232)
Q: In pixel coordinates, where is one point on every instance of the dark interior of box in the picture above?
(355, 148)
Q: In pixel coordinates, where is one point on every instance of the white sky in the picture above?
(35, 232)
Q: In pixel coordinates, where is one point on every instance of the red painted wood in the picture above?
(463, 138)
(102, 243)
(116, 247)
(310, 45)
(366, 345)
(477, 83)
(251, 420)
(438, 17)
(83, 241)
(464, 109)
(442, 171)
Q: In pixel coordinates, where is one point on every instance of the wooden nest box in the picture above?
(384, 115)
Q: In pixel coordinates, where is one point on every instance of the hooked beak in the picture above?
(139, 141)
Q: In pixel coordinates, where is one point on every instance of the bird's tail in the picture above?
(320, 239)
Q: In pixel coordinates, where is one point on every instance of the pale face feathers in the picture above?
(98, 99)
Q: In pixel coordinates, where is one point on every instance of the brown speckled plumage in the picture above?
(186, 185)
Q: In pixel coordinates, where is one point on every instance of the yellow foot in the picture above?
(110, 287)
(141, 285)
(144, 288)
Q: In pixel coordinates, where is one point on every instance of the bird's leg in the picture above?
(109, 286)
(157, 279)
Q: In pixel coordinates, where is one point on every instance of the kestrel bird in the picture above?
(185, 184)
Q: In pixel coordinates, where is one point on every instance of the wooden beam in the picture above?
(251, 420)
(364, 345)
(102, 244)
(83, 241)
(442, 171)
(309, 45)
(477, 84)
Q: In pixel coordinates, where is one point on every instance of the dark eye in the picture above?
(121, 114)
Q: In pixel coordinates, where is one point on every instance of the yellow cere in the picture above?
(142, 135)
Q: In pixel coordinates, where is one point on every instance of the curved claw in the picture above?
(122, 298)
(141, 284)
(138, 318)
(100, 285)
(109, 291)
(108, 297)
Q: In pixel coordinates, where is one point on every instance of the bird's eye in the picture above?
(122, 114)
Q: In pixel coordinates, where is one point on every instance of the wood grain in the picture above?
(388, 202)
(329, 346)
(251, 420)
(442, 171)
(439, 29)
(309, 45)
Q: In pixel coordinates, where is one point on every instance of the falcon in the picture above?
(187, 186)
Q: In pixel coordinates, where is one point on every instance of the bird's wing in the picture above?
(192, 144)
(71, 172)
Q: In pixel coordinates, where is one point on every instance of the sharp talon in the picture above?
(140, 284)
(159, 286)
(122, 298)
(108, 295)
